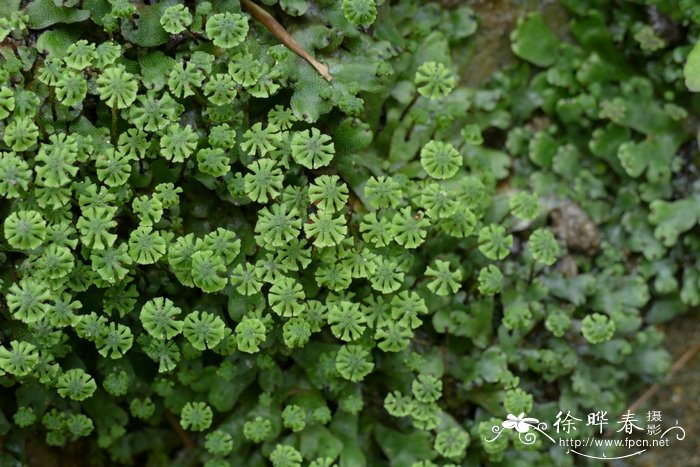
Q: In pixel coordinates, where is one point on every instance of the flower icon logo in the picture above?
(520, 423)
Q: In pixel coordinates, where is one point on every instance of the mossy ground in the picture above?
(679, 397)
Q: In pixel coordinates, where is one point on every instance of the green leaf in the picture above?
(7, 7)
(672, 218)
(691, 70)
(621, 293)
(533, 41)
(493, 365)
(99, 9)
(318, 441)
(434, 47)
(404, 449)
(542, 149)
(664, 310)
(294, 7)
(155, 69)
(56, 41)
(147, 31)
(44, 13)
(345, 427)
(306, 102)
(489, 161)
(573, 289)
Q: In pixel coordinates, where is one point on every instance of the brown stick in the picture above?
(278, 30)
(680, 363)
(186, 441)
(653, 389)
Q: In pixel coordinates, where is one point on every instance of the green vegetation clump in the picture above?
(289, 233)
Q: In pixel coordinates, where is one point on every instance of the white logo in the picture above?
(634, 439)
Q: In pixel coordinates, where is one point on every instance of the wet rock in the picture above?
(575, 227)
(664, 26)
(567, 265)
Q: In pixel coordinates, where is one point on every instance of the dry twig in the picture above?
(652, 390)
(278, 30)
(186, 441)
(680, 363)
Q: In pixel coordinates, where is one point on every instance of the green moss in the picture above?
(203, 231)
